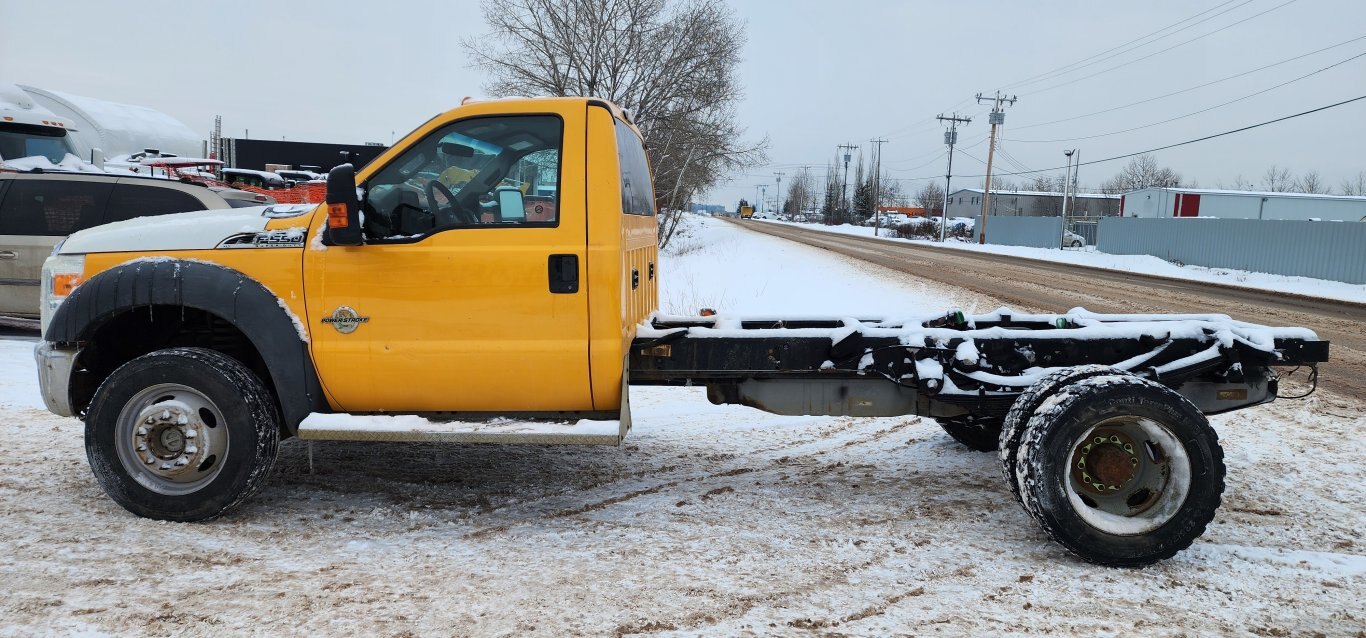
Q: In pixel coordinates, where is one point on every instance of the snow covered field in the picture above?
(709, 520)
(1144, 264)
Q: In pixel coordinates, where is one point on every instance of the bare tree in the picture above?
(1310, 182)
(801, 194)
(890, 191)
(1354, 185)
(1239, 183)
(670, 63)
(1277, 180)
(931, 198)
(1141, 172)
(1047, 206)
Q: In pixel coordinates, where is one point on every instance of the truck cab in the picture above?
(495, 261)
(29, 130)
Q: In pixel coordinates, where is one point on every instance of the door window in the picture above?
(134, 200)
(52, 207)
(484, 172)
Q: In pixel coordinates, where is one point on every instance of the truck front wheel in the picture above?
(1120, 470)
(183, 434)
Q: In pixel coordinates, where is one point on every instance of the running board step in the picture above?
(413, 428)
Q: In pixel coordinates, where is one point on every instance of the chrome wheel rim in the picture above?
(1127, 475)
(171, 439)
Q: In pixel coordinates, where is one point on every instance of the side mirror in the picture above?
(511, 208)
(343, 208)
(97, 158)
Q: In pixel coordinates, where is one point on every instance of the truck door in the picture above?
(466, 295)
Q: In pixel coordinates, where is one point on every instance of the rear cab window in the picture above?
(637, 193)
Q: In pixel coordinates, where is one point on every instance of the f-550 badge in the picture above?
(345, 319)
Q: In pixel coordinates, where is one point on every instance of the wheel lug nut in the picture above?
(190, 449)
(190, 434)
(142, 431)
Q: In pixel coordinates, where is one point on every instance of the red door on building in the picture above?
(1187, 205)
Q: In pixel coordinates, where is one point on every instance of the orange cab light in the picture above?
(336, 216)
(64, 283)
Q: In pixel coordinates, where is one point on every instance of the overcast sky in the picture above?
(816, 74)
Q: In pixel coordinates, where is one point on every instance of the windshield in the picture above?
(26, 140)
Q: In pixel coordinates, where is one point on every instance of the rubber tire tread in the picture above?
(248, 408)
(1046, 449)
(1024, 407)
(975, 433)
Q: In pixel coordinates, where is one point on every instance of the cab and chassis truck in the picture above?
(493, 278)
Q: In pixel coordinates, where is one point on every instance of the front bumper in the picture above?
(54, 376)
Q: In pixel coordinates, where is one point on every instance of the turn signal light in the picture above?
(64, 283)
(336, 216)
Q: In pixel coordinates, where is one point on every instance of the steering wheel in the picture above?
(451, 214)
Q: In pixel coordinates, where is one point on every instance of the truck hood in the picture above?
(199, 230)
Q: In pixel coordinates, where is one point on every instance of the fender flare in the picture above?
(228, 294)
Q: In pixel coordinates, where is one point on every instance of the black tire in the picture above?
(1024, 407)
(183, 434)
(979, 434)
(1164, 490)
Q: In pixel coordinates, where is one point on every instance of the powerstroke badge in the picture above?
(345, 319)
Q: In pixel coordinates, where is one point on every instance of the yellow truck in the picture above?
(745, 209)
(493, 277)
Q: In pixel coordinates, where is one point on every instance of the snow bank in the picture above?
(1143, 264)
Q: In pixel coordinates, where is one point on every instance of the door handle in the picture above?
(8, 254)
(635, 279)
(564, 274)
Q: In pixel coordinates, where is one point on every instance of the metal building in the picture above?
(1223, 204)
(967, 202)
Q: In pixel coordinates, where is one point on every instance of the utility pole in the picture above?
(844, 184)
(877, 186)
(950, 138)
(1066, 184)
(758, 203)
(779, 190)
(997, 118)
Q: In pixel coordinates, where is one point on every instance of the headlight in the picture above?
(62, 274)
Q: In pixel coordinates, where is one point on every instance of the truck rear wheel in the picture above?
(183, 434)
(979, 434)
(1024, 407)
(1120, 470)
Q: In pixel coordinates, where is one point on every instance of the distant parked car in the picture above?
(1073, 240)
(257, 179)
(38, 209)
(299, 177)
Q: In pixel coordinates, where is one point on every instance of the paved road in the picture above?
(1037, 286)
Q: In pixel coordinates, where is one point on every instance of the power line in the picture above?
(1198, 139)
(1063, 70)
(1204, 110)
(1163, 148)
(1187, 90)
(1161, 51)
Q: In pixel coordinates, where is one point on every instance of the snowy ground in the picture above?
(710, 520)
(1145, 264)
